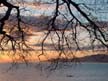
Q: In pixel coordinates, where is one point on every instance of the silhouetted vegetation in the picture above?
(99, 58)
(56, 25)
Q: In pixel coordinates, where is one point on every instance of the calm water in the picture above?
(79, 72)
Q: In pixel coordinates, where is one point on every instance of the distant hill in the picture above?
(101, 58)
(95, 58)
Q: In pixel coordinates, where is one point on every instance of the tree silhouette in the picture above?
(64, 41)
(8, 38)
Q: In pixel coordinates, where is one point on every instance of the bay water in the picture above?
(79, 72)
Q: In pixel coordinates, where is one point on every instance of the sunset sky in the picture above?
(53, 40)
(47, 10)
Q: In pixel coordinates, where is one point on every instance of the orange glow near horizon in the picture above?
(4, 58)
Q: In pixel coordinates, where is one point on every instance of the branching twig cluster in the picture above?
(6, 37)
(12, 36)
(66, 38)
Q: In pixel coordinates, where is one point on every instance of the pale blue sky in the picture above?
(100, 8)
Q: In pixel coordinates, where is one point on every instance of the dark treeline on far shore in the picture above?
(99, 58)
